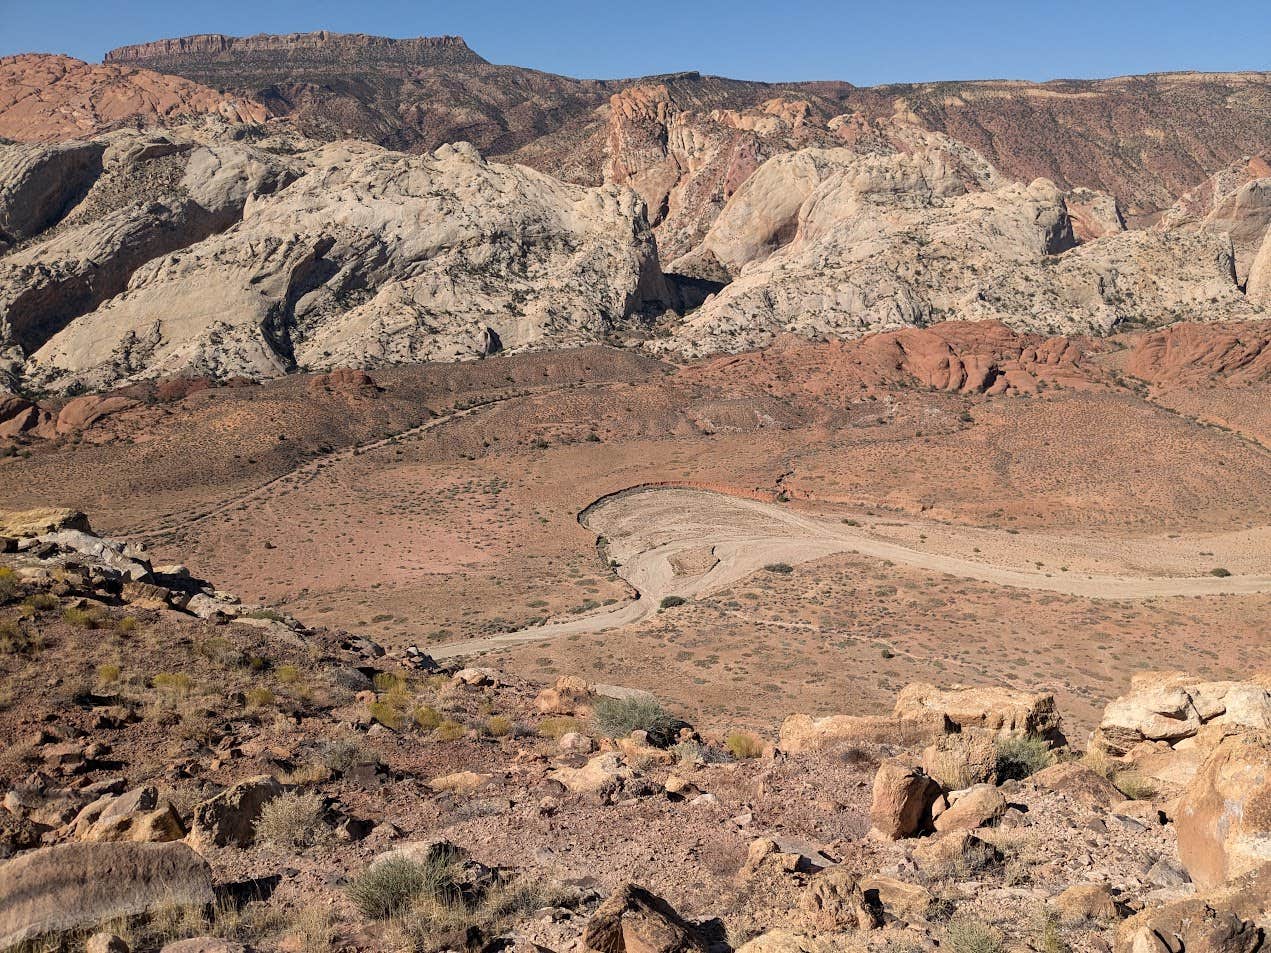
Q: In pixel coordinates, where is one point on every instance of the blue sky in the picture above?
(864, 43)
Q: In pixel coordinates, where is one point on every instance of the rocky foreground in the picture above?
(195, 774)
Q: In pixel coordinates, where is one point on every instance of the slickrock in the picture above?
(373, 257)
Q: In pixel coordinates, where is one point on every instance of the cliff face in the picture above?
(214, 54)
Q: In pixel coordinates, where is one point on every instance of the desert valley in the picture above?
(451, 506)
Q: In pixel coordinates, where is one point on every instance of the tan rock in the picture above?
(71, 887)
(958, 854)
(960, 760)
(977, 806)
(1079, 782)
(229, 818)
(632, 920)
(602, 774)
(803, 733)
(1001, 710)
(902, 799)
(901, 899)
(1224, 816)
(1082, 902)
(835, 901)
(461, 782)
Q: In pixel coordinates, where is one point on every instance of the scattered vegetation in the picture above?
(783, 569)
(670, 602)
(390, 887)
(618, 717)
(1021, 757)
(1134, 786)
(966, 934)
(1220, 572)
(744, 745)
(293, 820)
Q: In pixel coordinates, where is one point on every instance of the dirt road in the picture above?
(647, 530)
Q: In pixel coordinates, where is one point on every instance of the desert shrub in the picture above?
(969, 935)
(618, 717)
(857, 757)
(108, 673)
(688, 753)
(782, 569)
(426, 717)
(173, 683)
(8, 584)
(83, 618)
(450, 730)
(389, 888)
(1049, 937)
(1019, 757)
(387, 714)
(287, 674)
(670, 602)
(41, 601)
(340, 754)
(293, 820)
(743, 745)
(555, 727)
(1134, 786)
(498, 726)
(127, 624)
(15, 640)
(388, 682)
(259, 697)
(1099, 762)
(1220, 572)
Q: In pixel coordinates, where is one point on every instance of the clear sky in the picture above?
(864, 43)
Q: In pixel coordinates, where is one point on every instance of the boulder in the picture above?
(957, 854)
(569, 694)
(960, 760)
(803, 733)
(633, 920)
(902, 800)
(229, 818)
(998, 709)
(834, 901)
(604, 775)
(1084, 785)
(1171, 707)
(137, 815)
(900, 899)
(1224, 816)
(76, 886)
(461, 782)
(1082, 902)
(977, 806)
(1222, 920)
(39, 184)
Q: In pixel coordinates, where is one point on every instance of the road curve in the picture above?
(646, 528)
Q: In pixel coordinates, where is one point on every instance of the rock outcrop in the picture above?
(45, 98)
(1224, 815)
(374, 257)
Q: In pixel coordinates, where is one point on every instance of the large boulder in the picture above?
(960, 760)
(835, 901)
(633, 920)
(902, 800)
(1079, 782)
(1006, 711)
(76, 886)
(136, 815)
(1224, 816)
(803, 733)
(978, 806)
(229, 818)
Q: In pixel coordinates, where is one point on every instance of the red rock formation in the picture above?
(45, 98)
(1188, 354)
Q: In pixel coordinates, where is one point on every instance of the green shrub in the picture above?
(107, 673)
(15, 640)
(173, 683)
(292, 820)
(259, 697)
(1134, 786)
(618, 717)
(83, 618)
(287, 674)
(426, 717)
(271, 615)
(389, 682)
(670, 602)
(450, 730)
(8, 584)
(555, 727)
(1220, 572)
(498, 726)
(392, 886)
(41, 601)
(1019, 757)
(783, 569)
(744, 745)
(387, 715)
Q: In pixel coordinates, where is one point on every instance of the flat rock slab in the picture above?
(77, 886)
